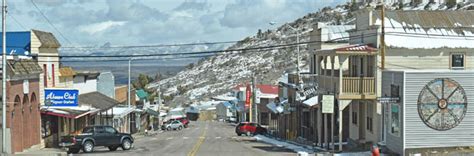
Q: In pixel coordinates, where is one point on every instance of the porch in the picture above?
(351, 74)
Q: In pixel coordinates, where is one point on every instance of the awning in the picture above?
(152, 112)
(72, 113)
(311, 101)
(97, 100)
(277, 108)
(120, 112)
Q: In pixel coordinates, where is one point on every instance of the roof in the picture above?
(264, 88)
(97, 100)
(428, 29)
(66, 71)
(357, 48)
(47, 39)
(88, 74)
(152, 112)
(268, 89)
(18, 43)
(121, 112)
(142, 94)
(335, 32)
(22, 69)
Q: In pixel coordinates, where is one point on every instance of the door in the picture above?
(361, 120)
(112, 136)
(100, 136)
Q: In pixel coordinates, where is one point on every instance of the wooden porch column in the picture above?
(334, 93)
(342, 103)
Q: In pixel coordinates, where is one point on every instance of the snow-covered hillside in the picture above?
(219, 74)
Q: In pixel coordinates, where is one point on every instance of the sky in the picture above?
(145, 22)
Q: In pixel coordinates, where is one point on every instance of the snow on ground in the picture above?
(296, 148)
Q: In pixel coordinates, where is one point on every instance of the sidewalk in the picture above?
(43, 152)
(304, 149)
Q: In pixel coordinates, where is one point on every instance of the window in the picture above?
(369, 121)
(52, 72)
(354, 114)
(395, 119)
(110, 130)
(45, 75)
(88, 130)
(99, 130)
(457, 61)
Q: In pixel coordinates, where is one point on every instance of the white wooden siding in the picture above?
(418, 135)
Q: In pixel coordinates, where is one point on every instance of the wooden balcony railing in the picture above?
(358, 85)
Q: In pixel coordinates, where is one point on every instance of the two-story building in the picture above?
(415, 40)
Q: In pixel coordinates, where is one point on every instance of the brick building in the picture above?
(23, 115)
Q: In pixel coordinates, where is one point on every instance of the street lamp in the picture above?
(297, 50)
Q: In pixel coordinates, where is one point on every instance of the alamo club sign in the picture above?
(61, 97)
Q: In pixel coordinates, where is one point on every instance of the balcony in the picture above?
(352, 87)
(358, 88)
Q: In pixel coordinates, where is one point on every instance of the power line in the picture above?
(214, 52)
(146, 46)
(50, 23)
(16, 21)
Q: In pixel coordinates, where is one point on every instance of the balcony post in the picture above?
(333, 84)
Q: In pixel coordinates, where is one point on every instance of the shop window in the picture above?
(457, 61)
(395, 119)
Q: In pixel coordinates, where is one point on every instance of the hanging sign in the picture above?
(61, 97)
(328, 104)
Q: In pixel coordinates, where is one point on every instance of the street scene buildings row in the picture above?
(46, 100)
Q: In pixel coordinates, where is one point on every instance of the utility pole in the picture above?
(382, 38)
(129, 92)
(4, 77)
(254, 98)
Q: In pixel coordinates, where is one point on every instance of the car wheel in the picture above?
(73, 150)
(180, 127)
(88, 147)
(239, 134)
(113, 148)
(168, 129)
(126, 144)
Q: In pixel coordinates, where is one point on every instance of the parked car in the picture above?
(231, 119)
(185, 122)
(173, 125)
(93, 136)
(249, 129)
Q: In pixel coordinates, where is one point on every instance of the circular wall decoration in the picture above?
(442, 104)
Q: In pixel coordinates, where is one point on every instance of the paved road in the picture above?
(202, 138)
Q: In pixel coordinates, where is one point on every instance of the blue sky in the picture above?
(138, 22)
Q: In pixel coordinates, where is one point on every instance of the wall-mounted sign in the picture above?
(248, 94)
(61, 97)
(328, 104)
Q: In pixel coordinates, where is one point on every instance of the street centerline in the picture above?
(196, 147)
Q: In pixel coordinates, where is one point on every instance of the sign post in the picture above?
(328, 104)
(61, 97)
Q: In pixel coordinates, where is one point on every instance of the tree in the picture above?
(141, 81)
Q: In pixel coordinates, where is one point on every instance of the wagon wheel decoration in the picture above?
(442, 104)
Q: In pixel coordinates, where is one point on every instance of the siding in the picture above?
(418, 135)
(399, 58)
(394, 143)
(106, 84)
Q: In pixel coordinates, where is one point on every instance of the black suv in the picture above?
(97, 136)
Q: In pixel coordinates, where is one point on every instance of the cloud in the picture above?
(100, 27)
(126, 22)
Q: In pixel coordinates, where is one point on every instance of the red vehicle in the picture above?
(249, 128)
(185, 121)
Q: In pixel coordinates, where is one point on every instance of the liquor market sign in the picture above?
(61, 97)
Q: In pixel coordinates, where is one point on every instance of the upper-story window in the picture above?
(457, 61)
